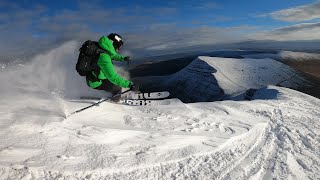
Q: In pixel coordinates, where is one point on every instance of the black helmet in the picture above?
(117, 40)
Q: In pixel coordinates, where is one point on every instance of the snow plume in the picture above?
(122, 72)
(122, 67)
(40, 83)
(47, 76)
(50, 72)
(126, 53)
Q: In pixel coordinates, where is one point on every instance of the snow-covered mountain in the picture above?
(303, 61)
(275, 135)
(287, 56)
(213, 78)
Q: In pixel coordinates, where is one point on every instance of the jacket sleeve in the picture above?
(107, 68)
(117, 57)
(106, 44)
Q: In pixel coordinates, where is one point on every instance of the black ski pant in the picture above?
(111, 88)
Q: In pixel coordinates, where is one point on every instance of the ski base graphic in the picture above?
(138, 102)
(135, 99)
(151, 95)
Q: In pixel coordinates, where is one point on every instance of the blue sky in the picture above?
(193, 13)
(157, 25)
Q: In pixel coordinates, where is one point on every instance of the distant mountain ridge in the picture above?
(212, 78)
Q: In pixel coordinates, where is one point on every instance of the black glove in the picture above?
(134, 87)
(127, 58)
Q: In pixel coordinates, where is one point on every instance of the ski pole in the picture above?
(119, 94)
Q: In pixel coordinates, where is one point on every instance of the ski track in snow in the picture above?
(276, 135)
(220, 140)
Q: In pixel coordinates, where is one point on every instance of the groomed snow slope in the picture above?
(277, 134)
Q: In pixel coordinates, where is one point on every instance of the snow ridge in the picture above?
(208, 79)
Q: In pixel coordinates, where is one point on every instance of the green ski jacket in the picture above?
(107, 70)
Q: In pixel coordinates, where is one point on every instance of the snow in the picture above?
(214, 78)
(287, 56)
(299, 56)
(275, 135)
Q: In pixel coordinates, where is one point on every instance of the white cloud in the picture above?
(142, 31)
(172, 38)
(303, 31)
(141, 28)
(299, 13)
(158, 47)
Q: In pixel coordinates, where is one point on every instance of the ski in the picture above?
(129, 102)
(146, 96)
(139, 102)
(135, 96)
(133, 99)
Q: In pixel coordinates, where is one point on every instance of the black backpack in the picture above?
(88, 57)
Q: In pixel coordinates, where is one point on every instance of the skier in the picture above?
(107, 78)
